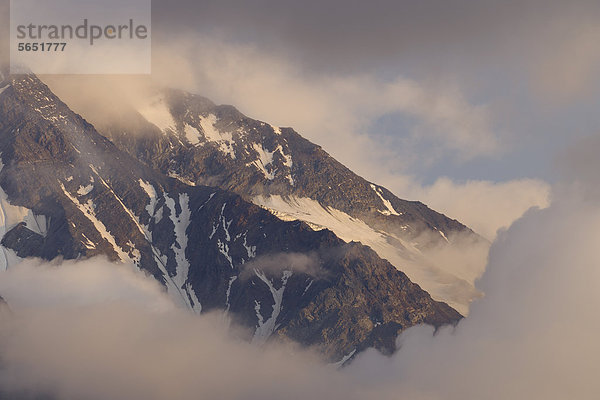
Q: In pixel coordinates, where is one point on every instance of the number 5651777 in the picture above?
(48, 46)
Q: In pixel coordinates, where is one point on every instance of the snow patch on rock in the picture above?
(223, 139)
(181, 222)
(157, 112)
(266, 328)
(192, 134)
(85, 190)
(388, 205)
(451, 286)
(88, 210)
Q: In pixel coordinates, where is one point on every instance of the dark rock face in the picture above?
(276, 168)
(370, 303)
(209, 247)
(231, 159)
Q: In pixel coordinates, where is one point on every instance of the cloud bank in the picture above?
(532, 336)
(92, 330)
(483, 206)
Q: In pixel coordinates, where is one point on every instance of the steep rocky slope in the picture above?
(189, 137)
(68, 191)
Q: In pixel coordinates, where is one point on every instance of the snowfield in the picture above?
(445, 282)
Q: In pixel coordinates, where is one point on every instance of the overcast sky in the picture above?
(437, 100)
(522, 76)
(529, 68)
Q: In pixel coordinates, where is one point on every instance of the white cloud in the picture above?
(533, 336)
(94, 330)
(334, 111)
(483, 206)
(91, 330)
(307, 263)
(68, 283)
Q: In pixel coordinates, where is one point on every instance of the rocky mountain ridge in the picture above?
(68, 191)
(189, 137)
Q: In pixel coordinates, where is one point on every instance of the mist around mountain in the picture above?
(75, 326)
(70, 193)
(189, 137)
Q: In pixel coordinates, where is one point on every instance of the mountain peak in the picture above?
(69, 192)
(188, 136)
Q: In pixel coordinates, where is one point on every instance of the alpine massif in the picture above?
(230, 214)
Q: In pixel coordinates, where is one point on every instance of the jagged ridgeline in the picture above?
(189, 137)
(69, 191)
